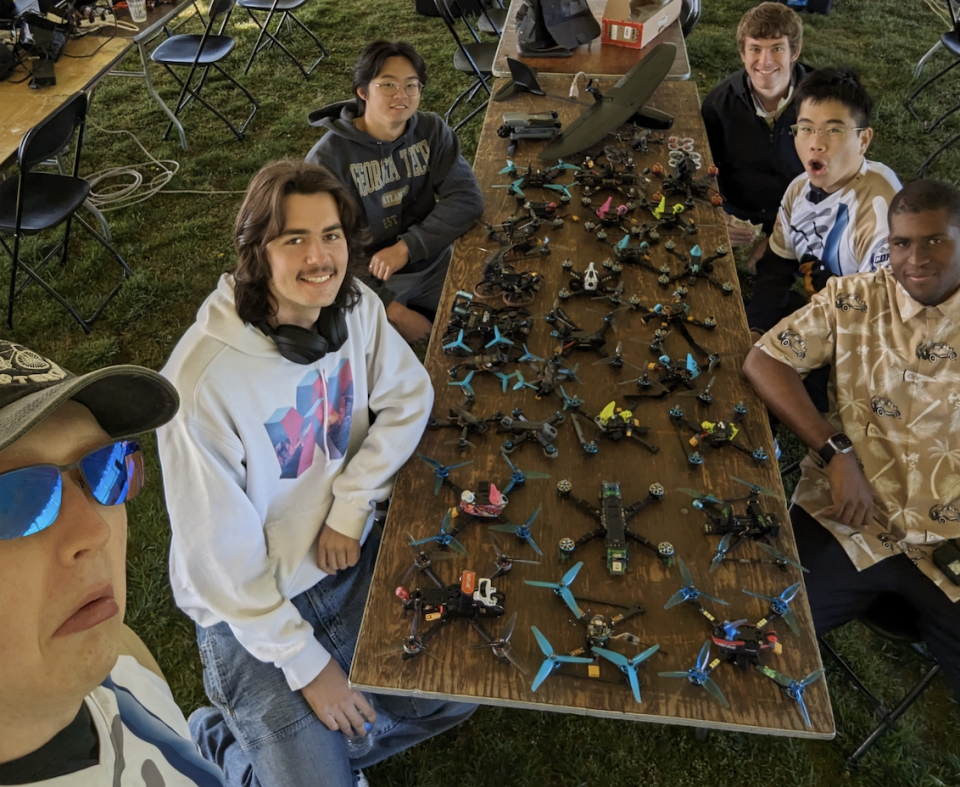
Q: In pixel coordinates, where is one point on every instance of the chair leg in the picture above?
(263, 32)
(286, 22)
(921, 172)
(876, 703)
(471, 116)
(891, 717)
(923, 60)
(913, 96)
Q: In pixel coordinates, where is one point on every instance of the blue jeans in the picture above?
(262, 733)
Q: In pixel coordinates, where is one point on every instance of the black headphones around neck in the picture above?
(305, 345)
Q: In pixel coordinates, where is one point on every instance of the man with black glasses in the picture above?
(405, 169)
(82, 701)
(833, 217)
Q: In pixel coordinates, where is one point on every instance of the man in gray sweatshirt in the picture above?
(406, 170)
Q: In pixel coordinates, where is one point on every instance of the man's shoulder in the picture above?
(795, 192)
(879, 180)
(729, 88)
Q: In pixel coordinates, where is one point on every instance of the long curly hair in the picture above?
(261, 219)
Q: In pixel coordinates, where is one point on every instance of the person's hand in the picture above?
(337, 705)
(335, 551)
(851, 492)
(739, 236)
(411, 325)
(388, 261)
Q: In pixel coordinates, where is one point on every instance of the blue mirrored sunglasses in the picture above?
(30, 497)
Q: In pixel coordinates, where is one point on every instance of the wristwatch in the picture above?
(837, 444)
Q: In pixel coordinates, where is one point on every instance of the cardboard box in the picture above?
(651, 18)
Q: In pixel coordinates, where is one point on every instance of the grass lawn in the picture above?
(179, 241)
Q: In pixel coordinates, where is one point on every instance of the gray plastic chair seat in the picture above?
(181, 50)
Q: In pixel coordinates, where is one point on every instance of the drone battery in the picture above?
(468, 582)
(42, 75)
(431, 616)
(946, 557)
(593, 671)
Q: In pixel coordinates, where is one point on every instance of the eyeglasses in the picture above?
(391, 88)
(30, 497)
(830, 133)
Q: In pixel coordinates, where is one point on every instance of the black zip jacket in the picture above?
(756, 164)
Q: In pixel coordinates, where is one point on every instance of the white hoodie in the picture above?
(264, 451)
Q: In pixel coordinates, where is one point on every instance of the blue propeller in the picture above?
(458, 344)
(570, 402)
(508, 169)
(688, 592)
(465, 385)
(528, 356)
(722, 549)
(552, 660)
(794, 689)
(517, 476)
(442, 472)
(443, 538)
(498, 338)
(628, 666)
(562, 588)
(521, 531)
(700, 675)
(780, 605)
(692, 367)
(777, 555)
(506, 378)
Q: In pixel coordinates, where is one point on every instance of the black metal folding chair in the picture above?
(892, 618)
(475, 57)
(202, 52)
(949, 41)
(285, 9)
(33, 202)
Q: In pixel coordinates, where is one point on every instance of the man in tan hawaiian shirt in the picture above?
(880, 488)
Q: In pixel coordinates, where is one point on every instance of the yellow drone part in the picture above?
(658, 211)
(678, 208)
(607, 412)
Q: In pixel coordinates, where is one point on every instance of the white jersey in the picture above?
(144, 739)
(847, 230)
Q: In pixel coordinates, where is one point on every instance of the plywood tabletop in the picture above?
(757, 704)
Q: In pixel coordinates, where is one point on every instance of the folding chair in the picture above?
(474, 58)
(285, 8)
(892, 618)
(951, 42)
(202, 52)
(33, 202)
(491, 17)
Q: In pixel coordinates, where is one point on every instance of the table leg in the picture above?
(156, 96)
(145, 73)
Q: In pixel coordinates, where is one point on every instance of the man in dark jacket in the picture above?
(405, 169)
(748, 118)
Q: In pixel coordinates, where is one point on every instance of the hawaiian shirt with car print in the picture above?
(895, 392)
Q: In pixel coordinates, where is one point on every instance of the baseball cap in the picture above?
(126, 400)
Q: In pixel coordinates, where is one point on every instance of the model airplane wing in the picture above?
(619, 104)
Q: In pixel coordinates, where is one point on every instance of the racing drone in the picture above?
(535, 178)
(754, 524)
(714, 434)
(573, 337)
(500, 278)
(474, 327)
(612, 518)
(592, 282)
(682, 181)
(695, 267)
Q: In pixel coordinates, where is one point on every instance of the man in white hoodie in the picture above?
(272, 470)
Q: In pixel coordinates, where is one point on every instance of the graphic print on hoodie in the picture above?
(321, 416)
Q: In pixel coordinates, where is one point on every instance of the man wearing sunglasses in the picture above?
(405, 169)
(82, 702)
(833, 217)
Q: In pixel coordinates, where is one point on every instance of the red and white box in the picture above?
(649, 19)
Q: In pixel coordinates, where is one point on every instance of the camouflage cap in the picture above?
(125, 400)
